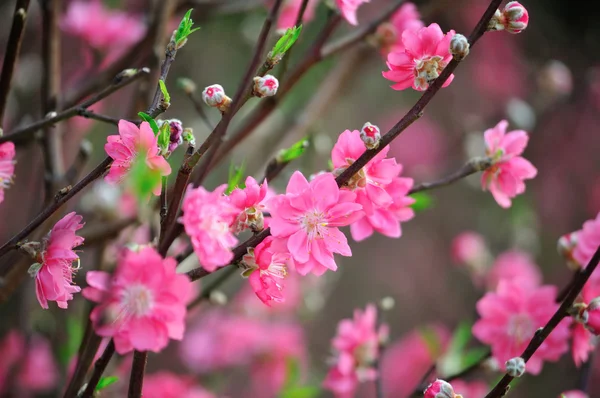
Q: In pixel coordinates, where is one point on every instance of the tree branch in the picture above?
(136, 380)
(471, 167)
(99, 368)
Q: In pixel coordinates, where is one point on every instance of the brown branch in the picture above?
(101, 232)
(24, 134)
(83, 155)
(99, 368)
(471, 167)
(541, 334)
(136, 380)
(87, 350)
(209, 288)
(100, 117)
(12, 52)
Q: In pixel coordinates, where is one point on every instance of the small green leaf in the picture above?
(301, 392)
(185, 28)
(106, 381)
(147, 118)
(473, 356)
(165, 92)
(236, 173)
(293, 152)
(164, 137)
(74, 337)
(423, 201)
(286, 42)
(142, 180)
(460, 338)
(247, 272)
(188, 136)
(292, 372)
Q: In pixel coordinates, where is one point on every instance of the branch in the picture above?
(471, 167)
(208, 289)
(101, 118)
(87, 350)
(286, 60)
(83, 155)
(540, 336)
(136, 380)
(12, 52)
(102, 232)
(24, 134)
(99, 368)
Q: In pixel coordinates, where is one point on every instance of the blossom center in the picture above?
(313, 223)
(137, 300)
(520, 327)
(427, 70)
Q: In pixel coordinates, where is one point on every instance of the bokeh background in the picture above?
(545, 80)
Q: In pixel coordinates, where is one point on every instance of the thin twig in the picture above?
(99, 368)
(87, 350)
(136, 380)
(471, 167)
(100, 117)
(211, 287)
(12, 52)
(198, 106)
(286, 60)
(83, 155)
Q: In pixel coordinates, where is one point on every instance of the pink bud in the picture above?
(215, 96)
(370, 135)
(440, 389)
(515, 17)
(265, 86)
(593, 320)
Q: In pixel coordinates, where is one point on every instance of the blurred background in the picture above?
(545, 81)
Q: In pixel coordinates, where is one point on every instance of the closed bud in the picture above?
(440, 389)
(515, 367)
(215, 97)
(459, 47)
(370, 135)
(496, 22)
(265, 86)
(515, 17)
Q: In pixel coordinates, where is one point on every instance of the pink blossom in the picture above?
(390, 34)
(588, 240)
(511, 315)
(515, 266)
(584, 340)
(143, 305)
(440, 389)
(54, 270)
(356, 347)
(471, 389)
(102, 28)
(379, 190)
(469, 248)
(250, 202)
(289, 13)
(131, 142)
(505, 179)
(308, 217)
(348, 9)
(169, 385)
(573, 394)
(7, 166)
(268, 261)
(207, 217)
(426, 54)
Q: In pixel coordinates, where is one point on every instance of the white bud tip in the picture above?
(218, 297)
(515, 367)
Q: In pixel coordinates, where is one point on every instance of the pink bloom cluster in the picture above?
(54, 270)
(169, 385)
(7, 166)
(426, 53)
(378, 188)
(356, 347)
(143, 305)
(348, 9)
(128, 145)
(505, 178)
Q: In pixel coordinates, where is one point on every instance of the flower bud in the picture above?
(440, 389)
(593, 320)
(515, 367)
(370, 135)
(265, 86)
(515, 17)
(579, 312)
(188, 136)
(565, 246)
(459, 47)
(496, 22)
(215, 97)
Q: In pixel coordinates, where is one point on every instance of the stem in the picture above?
(12, 52)
(136, 380)
(286, 60)
(87, 350)
(208, 289)
(540, 336)
(101, 118)
(471, 167)
(99, 368)
(83, 155)
(163, 200)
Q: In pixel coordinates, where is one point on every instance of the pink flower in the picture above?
(440, 389)
(131, 142)
(289, 13)
(584, 340)
(54, 270)
(250, 202)
(472, 389)
(308, 217)
(102, 28)
(143, 305)
(207, 217)
(574, 394)
(514, 266)
(468, 248)
(169, 385)
(588, 240)
(511, 315)
(348, 9)
(426, 54)
(7, 166)
(356, 346)
(379, 190)
(505, 179)
(268, 262)
(390, 34)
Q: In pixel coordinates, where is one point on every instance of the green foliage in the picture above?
(165, 92)
(291, 387)
(164, 137)
(293, 152)
(105, 382)
(184, 29)
(147, 118)
(423, 201)
(74, 336)
(286, 42)
(141, 179)
(236, 174)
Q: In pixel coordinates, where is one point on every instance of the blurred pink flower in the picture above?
(426, 54)
(268, 260)
(54, 270)
(7, 166)
(169, 385)
(289, 13)
(470, 389)
(143, 305)
(207, 218)
(356, 348)
(308, 217)
(250, 202)
(573, 394)
(511, 315)
(131, 142)
(348, 9)
(505, 178)
(101, 28)
(12, 347)
(514, 266)
(470, 249)
(390, 34)
(588, 240)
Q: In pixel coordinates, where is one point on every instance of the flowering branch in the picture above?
(12, 52)
(471, 167)
(541, 334)
(99, 368)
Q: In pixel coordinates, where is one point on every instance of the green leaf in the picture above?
(472, 356)
(247, 272)
(106, 381)
(423, 201)
(300, 392)
(286, 41)
(434, 345)
(292, 372)
(165, 92)
(236, 173)
(141, 179)
(460, 338)
(293, 152)
(164, 137)
(147, 118)
(185, 28)
(74, 337)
